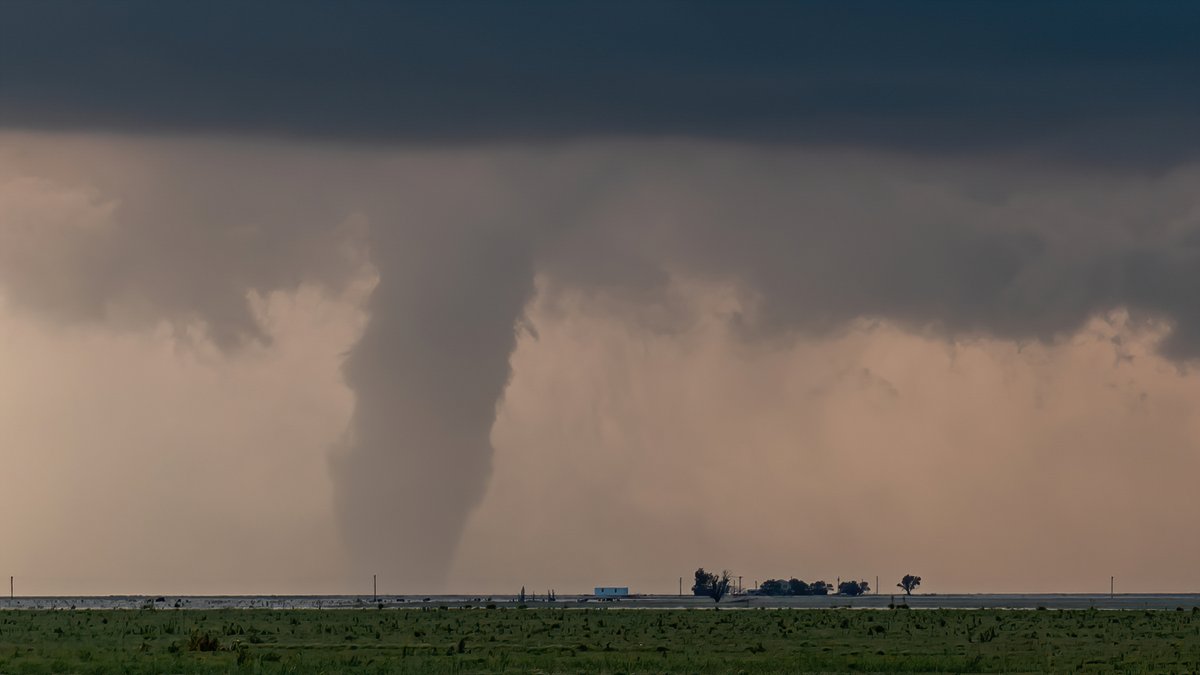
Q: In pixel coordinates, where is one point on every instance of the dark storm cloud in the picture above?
(1089, 79)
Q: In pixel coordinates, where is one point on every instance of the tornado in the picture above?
(427, 375)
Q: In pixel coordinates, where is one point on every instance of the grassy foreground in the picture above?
(598, 641)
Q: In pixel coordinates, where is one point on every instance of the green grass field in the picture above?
(598, 641)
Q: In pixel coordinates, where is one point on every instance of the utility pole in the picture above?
(876, 584)
(10, 588)
(375, 586)
(1112, 585)
(681, 586)
(739, 584)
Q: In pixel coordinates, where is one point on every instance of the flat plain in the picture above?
(481, 640)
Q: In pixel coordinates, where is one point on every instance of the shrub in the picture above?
(202, 642)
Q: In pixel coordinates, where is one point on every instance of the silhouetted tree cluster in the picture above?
(853, 588)
(793, 587)
(712, 585)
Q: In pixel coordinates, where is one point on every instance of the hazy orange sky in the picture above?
(160, 436)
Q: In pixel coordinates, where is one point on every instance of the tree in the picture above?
(909, 583)
(853, 588)
(798, 587)
(720, 586)
(818, 588)
(774, 587)
(704, 582)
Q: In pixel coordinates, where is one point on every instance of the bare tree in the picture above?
(909, 583)
(720, 586)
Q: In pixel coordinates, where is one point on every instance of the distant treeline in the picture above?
(799, 587)
(710, 584)
(716, 586)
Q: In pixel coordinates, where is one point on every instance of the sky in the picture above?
(476, 296)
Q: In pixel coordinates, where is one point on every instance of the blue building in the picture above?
(612, 591)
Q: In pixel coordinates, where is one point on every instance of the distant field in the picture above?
(598, 641)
